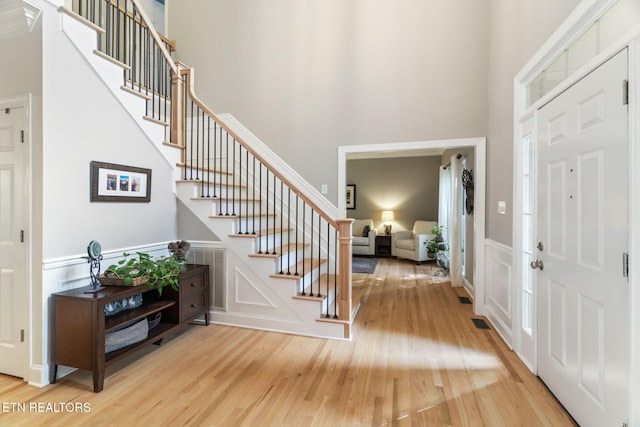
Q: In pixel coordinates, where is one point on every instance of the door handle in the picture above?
(537, 264)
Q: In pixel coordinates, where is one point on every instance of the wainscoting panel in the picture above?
(499, 289)
(212, 254)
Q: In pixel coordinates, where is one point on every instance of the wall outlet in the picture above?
(502, 207)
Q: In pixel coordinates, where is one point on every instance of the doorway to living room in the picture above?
(423, 148)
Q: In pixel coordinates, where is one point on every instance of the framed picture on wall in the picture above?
(351, 196)
(119, 183)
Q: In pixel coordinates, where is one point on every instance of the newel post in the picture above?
(344, 233)
(178, 89)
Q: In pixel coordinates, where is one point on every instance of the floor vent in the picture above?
(465, 300)
(480, 324)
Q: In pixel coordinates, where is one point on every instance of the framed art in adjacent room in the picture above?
(119, 183)
(351, 196)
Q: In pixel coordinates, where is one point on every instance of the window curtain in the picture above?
(455, 215)
(444, 201)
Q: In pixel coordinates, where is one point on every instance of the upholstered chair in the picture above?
(412, 244)
(363, 237)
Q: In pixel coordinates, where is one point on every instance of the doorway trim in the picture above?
(479, 146)
(585, 14)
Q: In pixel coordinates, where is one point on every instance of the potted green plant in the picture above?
(432, 247)
(436, 244)
(437, 230)
(142, 268)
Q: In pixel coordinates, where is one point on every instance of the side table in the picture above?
(383, 246)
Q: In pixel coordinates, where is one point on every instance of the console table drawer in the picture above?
(192, 306)
(193, 286)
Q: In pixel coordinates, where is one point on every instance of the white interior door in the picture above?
(583, 224)
(13, 246)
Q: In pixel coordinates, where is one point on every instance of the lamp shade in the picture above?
(387, 216)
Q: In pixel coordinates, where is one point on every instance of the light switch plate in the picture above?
(324, 189)
(502, 207)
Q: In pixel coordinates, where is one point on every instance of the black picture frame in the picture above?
(111, 182)
(350, 193)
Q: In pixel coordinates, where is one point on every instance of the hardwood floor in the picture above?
(416, 359)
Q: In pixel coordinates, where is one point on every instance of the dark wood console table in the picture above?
(79, 323)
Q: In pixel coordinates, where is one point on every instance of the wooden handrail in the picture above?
(152, 30)
(189, 72)
(155, 36)
(171, 43)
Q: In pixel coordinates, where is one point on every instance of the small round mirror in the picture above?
(94, 250)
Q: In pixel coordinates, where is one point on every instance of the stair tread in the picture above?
(243, 216)
(332, 320)
(225, 199)
(305, 265)
(201, 168)
(135, 92)
(217, 183)
(155, 120)
(281, 250)
(260, 233)
(321, 284)
(139, 87)
(171, 144)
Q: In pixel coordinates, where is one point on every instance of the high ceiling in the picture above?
(17, 17)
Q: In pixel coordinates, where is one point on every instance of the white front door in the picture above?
(583, 227)
(13, 246)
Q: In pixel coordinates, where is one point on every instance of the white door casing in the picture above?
(583, 224)
(13, 243)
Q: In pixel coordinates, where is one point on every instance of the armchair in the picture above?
(362, 244)
(412, 244)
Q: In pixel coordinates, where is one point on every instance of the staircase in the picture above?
(289, 254)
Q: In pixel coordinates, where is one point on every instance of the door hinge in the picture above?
(21, 236)
(625, 264)
(22, 136)
(21, 335)
(625, 92)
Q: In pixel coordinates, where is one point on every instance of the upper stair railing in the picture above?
(130, 39)
(288, 224)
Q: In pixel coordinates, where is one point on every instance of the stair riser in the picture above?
(287, 261)
(251, 225)
(229, 207)
(157, 108)
(198, 190)
(198, 175)
(306, 277)
(269, 242)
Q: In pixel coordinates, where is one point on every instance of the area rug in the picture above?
(363, 265)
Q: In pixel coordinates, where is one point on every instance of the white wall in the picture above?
(517, 30)
(308, 77)
(84, 122)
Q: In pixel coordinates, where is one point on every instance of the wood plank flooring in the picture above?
(416, 359)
